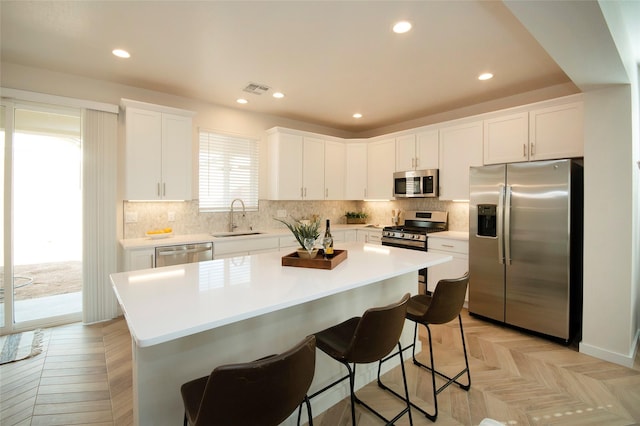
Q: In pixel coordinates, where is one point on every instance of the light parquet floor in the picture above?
(83, 376)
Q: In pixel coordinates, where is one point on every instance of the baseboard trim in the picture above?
(606, 355)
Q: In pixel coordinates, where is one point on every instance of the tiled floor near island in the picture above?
(83, 376)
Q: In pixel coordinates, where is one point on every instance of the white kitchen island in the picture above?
(185, 320)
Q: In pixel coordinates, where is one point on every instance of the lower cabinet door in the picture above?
(454, 269)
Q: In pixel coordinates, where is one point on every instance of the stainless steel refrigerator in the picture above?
(525, 245)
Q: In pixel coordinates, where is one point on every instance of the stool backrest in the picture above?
(262, 392)
(447, 300)
(378, 332)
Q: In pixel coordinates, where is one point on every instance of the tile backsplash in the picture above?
(188, 220)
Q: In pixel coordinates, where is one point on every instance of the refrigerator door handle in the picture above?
(499, 224)
(507, 225)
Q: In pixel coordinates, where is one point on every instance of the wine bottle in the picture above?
(327, 241)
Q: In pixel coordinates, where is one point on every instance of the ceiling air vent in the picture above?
(256, 89)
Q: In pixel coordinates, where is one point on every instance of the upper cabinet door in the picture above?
(176, 157)
(380, 169)
(427, 150)
(313, 169)
(460, 148)
(405, 153)
(334, 170)
(356, 171)
(506, 139)
(557, 132)
(143, 154)
(285, 166)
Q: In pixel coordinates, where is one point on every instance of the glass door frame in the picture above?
(9, 325)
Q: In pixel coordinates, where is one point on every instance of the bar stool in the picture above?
(363, 340)
(440, 308)
(262, 392)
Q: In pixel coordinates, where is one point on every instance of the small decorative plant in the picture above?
(303, 228)
(356, 217)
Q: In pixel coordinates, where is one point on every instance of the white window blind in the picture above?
(228, 170)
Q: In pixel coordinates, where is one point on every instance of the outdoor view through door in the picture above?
(46, 210)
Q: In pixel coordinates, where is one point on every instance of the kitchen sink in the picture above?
(235, 234)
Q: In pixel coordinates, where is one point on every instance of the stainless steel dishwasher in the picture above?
(184, 253)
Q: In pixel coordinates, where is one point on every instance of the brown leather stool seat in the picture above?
(262, 392)
(440, 308)
(366, 339)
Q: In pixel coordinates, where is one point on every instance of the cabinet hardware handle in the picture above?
(152, 261)
(301, 192)
(305, 192)
(164, 189)
(447, 245)
(417, 162)
(326, 193)
(158, 189)
(524, 149)
(533, 149)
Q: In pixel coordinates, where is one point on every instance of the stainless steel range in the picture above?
(413, 234)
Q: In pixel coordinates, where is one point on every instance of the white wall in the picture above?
(609, 329)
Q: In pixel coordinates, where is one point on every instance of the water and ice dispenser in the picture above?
(487, 220)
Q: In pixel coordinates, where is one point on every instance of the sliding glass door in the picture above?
(43, 218)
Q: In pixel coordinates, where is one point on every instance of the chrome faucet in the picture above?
(233, 226)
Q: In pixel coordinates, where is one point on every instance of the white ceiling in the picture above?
(330, 58)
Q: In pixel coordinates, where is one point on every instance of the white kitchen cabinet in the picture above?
(380, 169)
(334, 170)
(296, 166)
(158, 148)
(460, 147)
(288, 242)
(341, 236)
(458, 249)
(557, 132)
(417, 151)
(371, 236)
(356, 171)
(506, 139)
(237, 246)
(547, 133)
(139, 259)
(350, 235)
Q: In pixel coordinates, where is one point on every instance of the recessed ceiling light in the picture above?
(485, 76)
(357, 115)
(121, 53)
(278, 95)
(402, 27)
(242, 101)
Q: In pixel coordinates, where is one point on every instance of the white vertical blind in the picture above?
(99, 215)
(228, 169)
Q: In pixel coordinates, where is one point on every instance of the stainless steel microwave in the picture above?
(415, 183)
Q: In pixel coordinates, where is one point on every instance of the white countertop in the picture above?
(454, 235)
(167, 303)
(148, 242)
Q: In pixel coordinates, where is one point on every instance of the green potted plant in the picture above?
(303, 229)
(356, 217)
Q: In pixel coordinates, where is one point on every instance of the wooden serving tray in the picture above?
(318, 262)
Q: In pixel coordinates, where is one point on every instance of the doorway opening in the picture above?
(42, 267)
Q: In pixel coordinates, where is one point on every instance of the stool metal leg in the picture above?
(355, 400)
(450, 380)
(309, 415)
